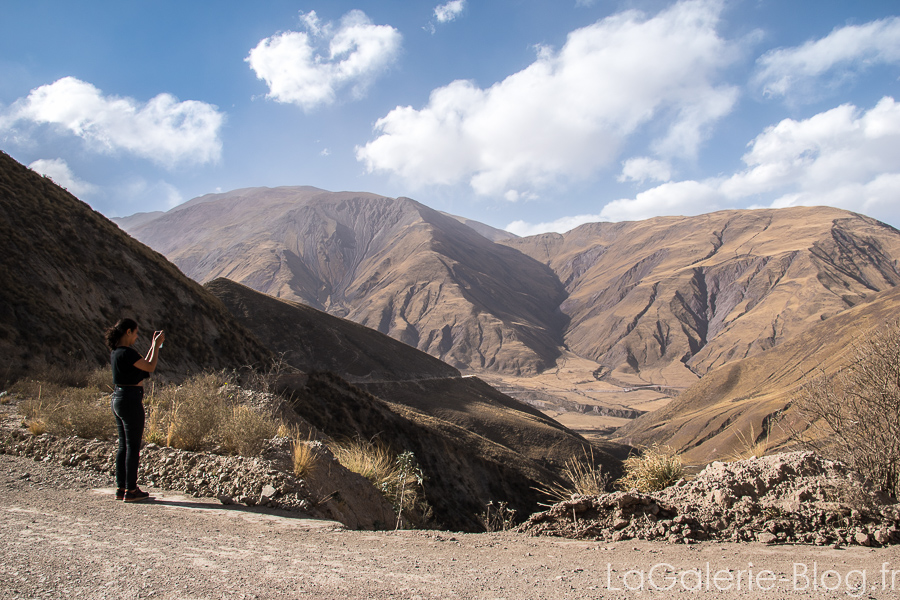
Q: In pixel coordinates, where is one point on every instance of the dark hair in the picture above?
(115, 333)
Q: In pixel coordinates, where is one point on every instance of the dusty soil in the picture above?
(62, 535)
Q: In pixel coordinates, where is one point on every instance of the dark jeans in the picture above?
(128, 408)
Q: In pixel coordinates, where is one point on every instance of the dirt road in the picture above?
(63, 536)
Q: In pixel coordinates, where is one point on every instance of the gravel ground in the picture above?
(63, 536)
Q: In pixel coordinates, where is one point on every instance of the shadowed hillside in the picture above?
(748, 398)
(402, 376)
(666, 300)
(393, 265)
(68, 273)
(312, 340)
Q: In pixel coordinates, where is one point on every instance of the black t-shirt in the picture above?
(123, 370)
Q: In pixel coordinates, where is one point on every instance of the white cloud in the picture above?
(58, 170)
(674, 198)
(449, 11)
(524, 229)
(842, 157)
(138, 193)
(569, 112)
(801, 72)
(163, 130)
(643, 169)
(309, 68)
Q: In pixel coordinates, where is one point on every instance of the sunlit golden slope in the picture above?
(743, 399)
(668, 299)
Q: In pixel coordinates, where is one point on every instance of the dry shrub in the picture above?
(245, 431)
(854, 415)
(398, 478)
(64, 411)
(189, 413)
(656, 468)
(497, 517)
(101, 379)
(584, 477)
(203, 412)
(304, 458)
(750, 446)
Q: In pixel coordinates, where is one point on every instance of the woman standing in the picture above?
(129, 370)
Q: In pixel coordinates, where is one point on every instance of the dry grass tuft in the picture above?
(656, 468)
(36, 426)
(750, 446)
(304, 459)
(203, 412)
(199, 414)
(52, 408)
(398, 477)
(584, 476)
(245, 431)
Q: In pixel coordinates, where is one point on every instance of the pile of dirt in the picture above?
(783, 498)
(331, 492)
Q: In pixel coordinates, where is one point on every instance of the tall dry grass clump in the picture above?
(583, 476)
(245, 431)
(398, 477)
(750, 445)
(55, 408)
(304, 459)
(202, 413)
(205, 412)
(656, 468)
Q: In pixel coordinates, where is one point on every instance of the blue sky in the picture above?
(524, 114)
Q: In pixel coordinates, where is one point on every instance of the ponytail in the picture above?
(115, 333)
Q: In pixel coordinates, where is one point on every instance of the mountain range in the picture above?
(68, 273)
(662, 301)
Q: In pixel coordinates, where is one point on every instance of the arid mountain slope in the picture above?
(476, 444)
(68, 273)
(312, 340)
(668, 299)
(393, 265)
(744, 401)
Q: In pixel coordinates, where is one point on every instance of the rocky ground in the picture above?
(783, 498)
(62, 535)
(231, 527)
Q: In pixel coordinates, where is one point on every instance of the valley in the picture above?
(597, 328)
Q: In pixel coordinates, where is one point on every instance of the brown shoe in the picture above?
(135, 495)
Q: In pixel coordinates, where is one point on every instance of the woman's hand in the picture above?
(158, 338)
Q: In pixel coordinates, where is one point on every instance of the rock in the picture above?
(225, 499)
(863, 539)
(766, 537)
(268, 492)
(621, 523)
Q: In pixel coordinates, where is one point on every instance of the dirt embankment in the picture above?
(783, 498)
(62, 535)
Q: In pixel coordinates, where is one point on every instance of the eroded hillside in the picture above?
(68, 273)
(666, 300)
(391, 264)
